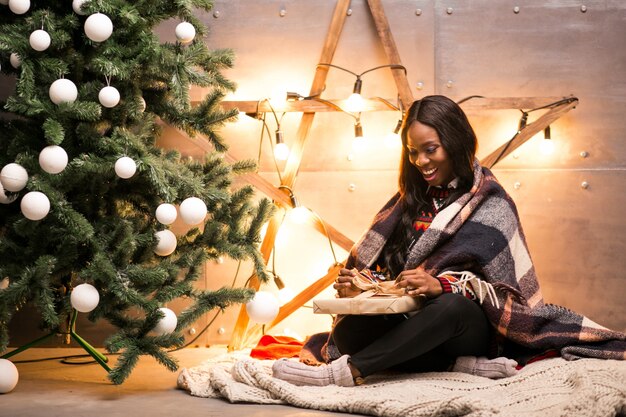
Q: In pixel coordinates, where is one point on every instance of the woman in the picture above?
(448, 234)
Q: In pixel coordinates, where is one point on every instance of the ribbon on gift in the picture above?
(371, 286)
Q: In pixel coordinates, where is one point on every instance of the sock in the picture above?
(335, 373)
(481, 366)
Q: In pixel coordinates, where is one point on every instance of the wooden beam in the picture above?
(297, 148)
(389, 45)
(319, 80)
(528, 132)
(305, 106)
(372, 104)
(504, 103)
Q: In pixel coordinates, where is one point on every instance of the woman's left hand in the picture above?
(417, 282)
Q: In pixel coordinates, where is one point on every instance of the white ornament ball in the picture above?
(3, 197)
(15, 60)
(98, 27)
(109, 96)
(263, 308)
(125, 167)
(35, 205)
(13, 177)
(166, 243)
(39, 40)
(77, 6)
(193, 210)
(84, 298)
(167, 324)
(185, 32)
(53, 159)
(19, 6)
(63, 91)
(142, 104)
(8, 376)
(166, 213)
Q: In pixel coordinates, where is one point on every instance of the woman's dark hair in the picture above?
(458, 140)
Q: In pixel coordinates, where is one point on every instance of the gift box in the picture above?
(373, 296)
(367, 305)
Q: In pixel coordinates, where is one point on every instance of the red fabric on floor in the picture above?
(276, 347)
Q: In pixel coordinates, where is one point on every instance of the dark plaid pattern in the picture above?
(481, 232)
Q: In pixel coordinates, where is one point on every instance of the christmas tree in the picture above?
(86, 195)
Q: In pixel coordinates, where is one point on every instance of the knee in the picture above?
(456, 305)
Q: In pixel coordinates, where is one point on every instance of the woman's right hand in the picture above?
(343, 284)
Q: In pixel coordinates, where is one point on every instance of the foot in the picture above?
(489, 368)
(336, 373)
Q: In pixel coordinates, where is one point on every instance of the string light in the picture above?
(547, 144)
(359, 142)
(285, 294)
(355, 103)
(393, 140)
(298, 214)
(281, 150)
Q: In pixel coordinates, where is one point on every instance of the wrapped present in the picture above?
(372, 296)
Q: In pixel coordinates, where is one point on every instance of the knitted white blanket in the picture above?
(549, 388)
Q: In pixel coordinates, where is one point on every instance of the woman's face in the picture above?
(427, 154)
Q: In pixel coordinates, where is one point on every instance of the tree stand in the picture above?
(99, 357)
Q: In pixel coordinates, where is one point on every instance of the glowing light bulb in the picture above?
(278, 98)
(358, 143)
(281, 151)
(299, 214)
(355, 103)
(547, 146)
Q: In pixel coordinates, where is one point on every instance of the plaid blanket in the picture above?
(481, 232)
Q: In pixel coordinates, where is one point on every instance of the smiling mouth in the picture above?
(428, 173)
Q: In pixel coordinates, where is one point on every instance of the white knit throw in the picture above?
(548, 388)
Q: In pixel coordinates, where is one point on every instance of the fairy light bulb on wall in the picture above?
(393, 140)
(354, 103)
(358, 143)
(281, 150)
(278, 98)
(547, 144)
(285, 294)
(299, 214)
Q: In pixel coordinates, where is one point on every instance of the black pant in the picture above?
(448, 326)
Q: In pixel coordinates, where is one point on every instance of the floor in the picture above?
(55, 389)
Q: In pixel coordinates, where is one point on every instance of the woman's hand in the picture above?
(343, 284)
(416, 282)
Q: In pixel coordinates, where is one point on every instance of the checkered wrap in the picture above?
(481, 232)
